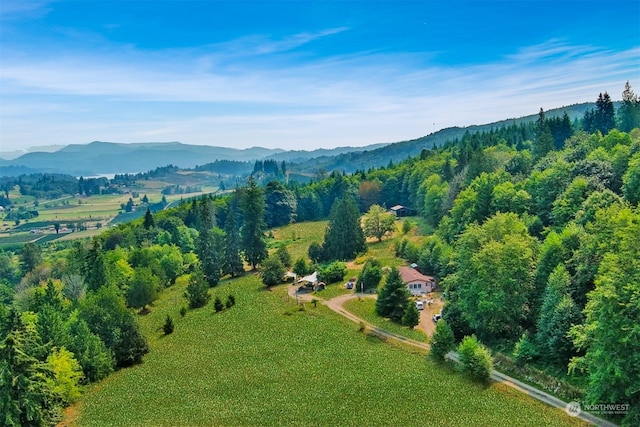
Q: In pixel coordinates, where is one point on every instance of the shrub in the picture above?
(197, 292)
(168, 325)
(183, 311)
(333, 272)
(371, 274)
(524, 351)
(231, 301)
(361, 326)
(218, 305)
(475, 359)
(442, 341)
(301, 267)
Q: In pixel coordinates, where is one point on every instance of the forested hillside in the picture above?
(536, 242)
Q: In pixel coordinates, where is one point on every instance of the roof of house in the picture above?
(411, 275)
(397, 207)
(312, 278)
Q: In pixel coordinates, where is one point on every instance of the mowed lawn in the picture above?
(365, 308)
(265, 363)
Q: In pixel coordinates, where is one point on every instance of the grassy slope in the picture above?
(255, 364)
(263, 362)
(365, 309)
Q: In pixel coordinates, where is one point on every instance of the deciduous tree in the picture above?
(475, 359)
(143, 289)
(108, 317)
(494, 280)
(272, 271)
(610, 336)
(370, 275)
(378, 222)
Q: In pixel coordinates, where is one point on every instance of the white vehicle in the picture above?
(420, 305)
(437, 317)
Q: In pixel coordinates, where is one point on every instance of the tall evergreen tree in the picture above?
(393, 298)
(210, 251)
(442, 341)
(94, 268)
(281, 205)
(30, 257)
(411, 317)
(96, 359)
(603, 118)
(344, 238)
(232, 263)
(148, 220)
(27, 395)
(629, 111)
(252, 205)
(208, 245)
(557, 314)
(544, 138)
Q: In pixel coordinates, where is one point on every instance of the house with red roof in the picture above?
(417, 283)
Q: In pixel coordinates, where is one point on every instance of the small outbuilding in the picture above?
(400, 210)
(311, 282)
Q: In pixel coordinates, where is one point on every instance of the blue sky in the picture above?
(299, 74)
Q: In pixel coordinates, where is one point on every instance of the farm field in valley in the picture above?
(93, 212)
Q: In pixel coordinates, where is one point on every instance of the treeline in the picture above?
(537, 248)
(39, 185)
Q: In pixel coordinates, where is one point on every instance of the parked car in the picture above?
(437, 317)
(349, 285)
(420, 305)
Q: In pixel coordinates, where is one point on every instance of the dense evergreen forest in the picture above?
(536, 241)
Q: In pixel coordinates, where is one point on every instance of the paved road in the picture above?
(336, 304)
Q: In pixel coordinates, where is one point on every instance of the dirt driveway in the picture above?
(427, 325)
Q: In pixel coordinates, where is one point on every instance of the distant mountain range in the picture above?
(99, 157)
(377, 157)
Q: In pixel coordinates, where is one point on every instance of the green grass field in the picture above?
(365, 309)
(264, 363)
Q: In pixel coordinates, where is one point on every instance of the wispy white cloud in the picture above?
(216, 95)
(21, 9)
(264, 44)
